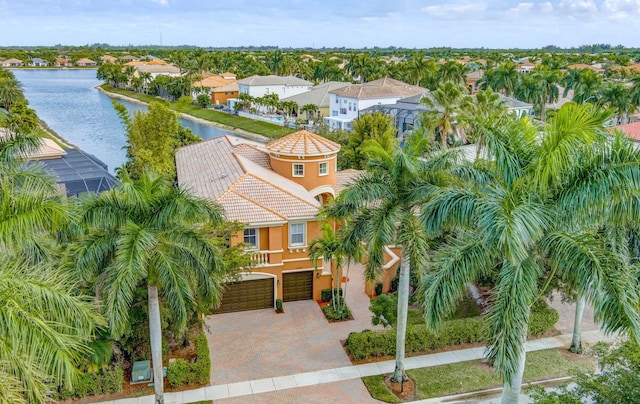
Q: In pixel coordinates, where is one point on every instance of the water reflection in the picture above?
(66, 99)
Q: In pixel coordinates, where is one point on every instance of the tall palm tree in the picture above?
(380, 209)
(533, 216)
(531, 89)
(148, 232)
(447, 103)
(452, 71)
(330, 249)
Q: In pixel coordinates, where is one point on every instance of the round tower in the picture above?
(308, 159)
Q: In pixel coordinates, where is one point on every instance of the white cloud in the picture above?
(454, 10)
(521, 8)
(621, 9)
(577, 8)
(164, 3)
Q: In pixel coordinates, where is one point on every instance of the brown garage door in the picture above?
(247, 295)
(297, 286)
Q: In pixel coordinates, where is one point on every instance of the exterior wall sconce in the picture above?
(318, 274)
(278, 282)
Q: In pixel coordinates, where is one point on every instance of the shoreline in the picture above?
(235, 132)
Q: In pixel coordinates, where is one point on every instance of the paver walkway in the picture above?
(249, 389)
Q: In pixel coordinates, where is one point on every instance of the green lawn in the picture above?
(250, 125)
(464, 377)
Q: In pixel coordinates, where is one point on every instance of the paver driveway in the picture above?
(260, 343)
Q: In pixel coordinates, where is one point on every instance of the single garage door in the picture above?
(247, 295)
(297, 286)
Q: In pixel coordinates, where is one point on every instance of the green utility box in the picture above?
(141, 372)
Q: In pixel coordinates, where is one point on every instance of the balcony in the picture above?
(260, 258)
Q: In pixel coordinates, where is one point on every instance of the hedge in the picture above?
(370, 344)
(325, 294)
(181, 372)
(101, 382)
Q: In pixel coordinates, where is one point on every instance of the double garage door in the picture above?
(258, 293)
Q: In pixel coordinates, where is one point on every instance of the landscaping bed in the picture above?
(464, 377)
(367, 345)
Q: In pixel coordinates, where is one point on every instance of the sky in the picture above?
(321, 23)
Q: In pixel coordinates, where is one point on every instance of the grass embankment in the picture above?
(466, 377)
(250, 125)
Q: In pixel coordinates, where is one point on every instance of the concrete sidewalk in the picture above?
(253, 387)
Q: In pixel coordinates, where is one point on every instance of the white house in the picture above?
(259, 86)
(346, 103)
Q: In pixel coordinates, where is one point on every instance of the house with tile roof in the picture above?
(12, 62)
(86, 62)
(221, 87)
(318, 96)
(347, 102)
(38, 62)
(632, 130)
(62, 62)
(259, 86)
(276, 191)
(108, 59)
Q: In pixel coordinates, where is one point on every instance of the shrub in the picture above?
(542, 319)
(368, 344)
(204, 100)
(378, 288)
(325, 294)
(279, 308)
(384, 309)
(342, 313)
(101, 382)
(181, 372)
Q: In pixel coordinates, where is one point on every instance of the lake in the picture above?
(67, 100)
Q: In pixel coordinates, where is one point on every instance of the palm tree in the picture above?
(380, 208)
(148, 232)
(448, 102)
(10, 90)
(452, 71)
(45, 326)
(310, 110)
(45, 329)
(361, 66)
(531, 89)
(330, 249)
(620, 99)
(504, 79)
(534, 216)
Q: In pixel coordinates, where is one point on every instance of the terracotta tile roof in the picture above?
(240, 178)
(345, 178)
(632, 130)
(303, 143)
(585, 66)
(381, 88)
(214, 81)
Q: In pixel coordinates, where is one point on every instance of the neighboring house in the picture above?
(128, 58)
(222, 87)
(579, 66)
(525, 67)
(471, 80)
(37, 62)
(632, 130)
(13, 62)
(85, 62)
(62, 62)
(108, 59)
(76, 172)
(318, 96)
(276, 191)
(346, 103)
(156, 70)
(258, 86)
(406, 112)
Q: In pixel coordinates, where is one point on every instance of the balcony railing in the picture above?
(260, 258)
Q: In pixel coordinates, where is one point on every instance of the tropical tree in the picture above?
(447, 103)
(620, 99)
(503, 79)
(147, 232)
(380, 209)
(330, 249)
(452, 71)
(533, 214)
(531, 89)
(310, 110)
(586, 85)
(10, 89)
(376, 126)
